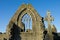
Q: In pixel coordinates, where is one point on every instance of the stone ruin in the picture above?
(16, 29)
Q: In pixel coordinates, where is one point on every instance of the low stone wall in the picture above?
(2, 36)
(28, 36)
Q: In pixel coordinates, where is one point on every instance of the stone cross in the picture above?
(48, 18)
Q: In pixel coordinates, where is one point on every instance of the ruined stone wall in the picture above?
(2, 36)
(31, 36)
(16, 23)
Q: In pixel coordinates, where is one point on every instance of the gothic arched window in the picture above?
(27, 20)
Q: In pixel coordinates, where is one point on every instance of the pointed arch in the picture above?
(36, 19)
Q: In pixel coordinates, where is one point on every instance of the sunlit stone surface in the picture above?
(26, 24)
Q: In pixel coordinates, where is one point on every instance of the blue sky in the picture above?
(9, 7)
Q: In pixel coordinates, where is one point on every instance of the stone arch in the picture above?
(30, 13)
(27, 22)
(37, 24)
